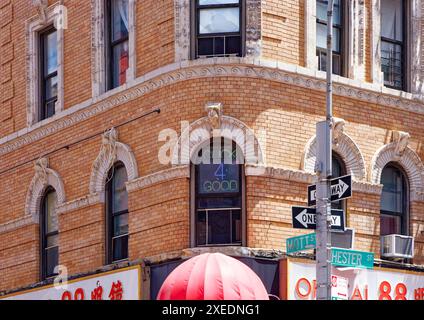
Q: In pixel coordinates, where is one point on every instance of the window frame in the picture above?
(42, 109)
(195, 196)
(44, 236)
(110, 44)
(404, 48)
(405, 216)
(195, 19)
(344, 37)
(110, 215)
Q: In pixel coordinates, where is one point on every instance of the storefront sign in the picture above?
(364, 284)
(114, 285)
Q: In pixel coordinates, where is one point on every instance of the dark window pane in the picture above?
(392, 19)
(322, 37)
(120, 194)
(322, 11)
(120, 224)
(120, 64)
(201, 228)
(219, 202)
(51, 88)
(50, 109)
(219, 227)
(210, 2)
(390, 225)
(391, 64)
(52, 223)
(205, 46)
(392, 198)
(232, 45)
(219, 48)
(52, 241)
(120, 248)
(52, 260)
(222, 178)
(236, 225)
(50, 53)
(219, 20)
(119, 19)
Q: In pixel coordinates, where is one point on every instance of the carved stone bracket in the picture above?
(215, 111)
(41, 9)
(401, 140)
(338, 129)
(111, 151)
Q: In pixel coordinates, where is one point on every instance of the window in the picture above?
(393, 43)
(218, 194)
(117, 214)
(338, 17)
(393, 218)
(218, 28)
(117, 43)
(338, 171)
(49, 234)
(48, 73)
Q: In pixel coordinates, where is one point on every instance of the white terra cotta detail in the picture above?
(111, 152)
(408, 160)
(345, 147)
(43, 178)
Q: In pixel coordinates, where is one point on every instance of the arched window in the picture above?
(218, 202)
(116, 214)
(339, 170)
(49, 225)
(394, 202)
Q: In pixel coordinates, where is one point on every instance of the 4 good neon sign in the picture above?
(220, 185)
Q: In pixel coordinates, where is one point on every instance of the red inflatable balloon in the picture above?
(213, 276)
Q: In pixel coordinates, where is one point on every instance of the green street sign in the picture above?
(351, 258)
(300, 243)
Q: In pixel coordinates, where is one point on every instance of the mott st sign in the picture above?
(341, 188)
(305, 218)
(300, 243)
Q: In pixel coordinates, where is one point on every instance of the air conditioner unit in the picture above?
(397, 246)
(343, 239)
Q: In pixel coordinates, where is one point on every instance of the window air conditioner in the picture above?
(397, 246)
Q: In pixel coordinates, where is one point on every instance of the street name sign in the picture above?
(341, 188)
(305, 218)
(300, 243)
(351, 258)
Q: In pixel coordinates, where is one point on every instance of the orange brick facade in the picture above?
(274, 92)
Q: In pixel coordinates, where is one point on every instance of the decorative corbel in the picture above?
(40, 168)
(401, 141)
(215, 112)
(41, 9)
(107, 155)
(338, 129)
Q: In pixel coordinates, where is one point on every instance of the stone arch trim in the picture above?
(346, 148)
(111, 152)
(202, 130)
(43, 178)
(409, 161)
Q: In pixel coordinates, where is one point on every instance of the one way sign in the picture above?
(305, 218)
(341, 188)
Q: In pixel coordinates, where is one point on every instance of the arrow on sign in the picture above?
(306, 218)
(341, 188)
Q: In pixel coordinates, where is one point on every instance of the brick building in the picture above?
(102, 109)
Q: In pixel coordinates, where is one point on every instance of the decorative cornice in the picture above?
(209, 68)
(80, 203)
(177, 172)
(18, 223)
(307, 178)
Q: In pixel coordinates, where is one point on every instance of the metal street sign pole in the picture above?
(324, 171)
